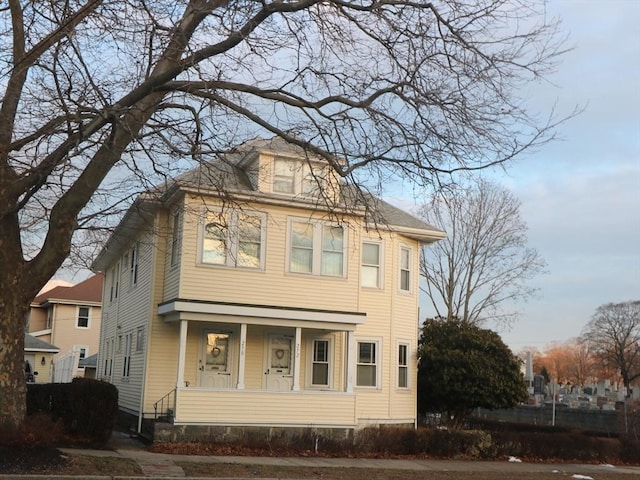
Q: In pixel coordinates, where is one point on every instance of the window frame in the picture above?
(317, 248)
(139, 339)
(409, 269)
(377, 363)
(306, 179)
(311, 361)
(88, 317)
(133, 267)
(400, 366)
(175, 239)
(379, 281)
(83, 352)
(126, 358)
(232, 238)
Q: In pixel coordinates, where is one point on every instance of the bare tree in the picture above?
(614, 334)
(484, 263)
(101, 100)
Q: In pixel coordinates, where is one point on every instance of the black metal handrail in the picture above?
(166, 405)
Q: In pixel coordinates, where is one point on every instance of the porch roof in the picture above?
(198, 310)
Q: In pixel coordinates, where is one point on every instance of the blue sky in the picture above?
(581, 194)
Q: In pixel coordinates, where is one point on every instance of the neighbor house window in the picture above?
(367, 364)
(320, 363)
(134, 265)
(370, 272)
(175, 244)
(403, 365)
(83, 351)
(126, 365)
(405, 269)
(139, 339)
(83, 317)
(49, 317)
(234, 240)
(317, 248)
(298, 177)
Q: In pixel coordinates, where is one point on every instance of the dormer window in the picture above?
(297, 177)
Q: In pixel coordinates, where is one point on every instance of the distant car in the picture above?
(29, 374)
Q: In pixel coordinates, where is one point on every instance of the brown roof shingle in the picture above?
(89, 290)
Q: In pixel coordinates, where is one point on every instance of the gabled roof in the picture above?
(87, 291)
(91, 361)
(33, 344)
(224, 176)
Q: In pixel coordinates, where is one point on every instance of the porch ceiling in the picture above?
(180, 309)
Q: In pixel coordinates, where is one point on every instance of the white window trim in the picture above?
(378, 343)
(301, 169)
(233, 238)
(330, 360)
(78, 327)
(411, 269)
(381, 257)
(133, 266)
(406, 343)
(176, 229)
(126, 356)
(79, 348)
(316, 263)
(139, 340)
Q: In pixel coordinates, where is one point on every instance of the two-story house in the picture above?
(69, 317)
(258, 291)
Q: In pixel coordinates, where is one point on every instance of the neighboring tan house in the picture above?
(38, 359)
(68, 317)
(234, 297)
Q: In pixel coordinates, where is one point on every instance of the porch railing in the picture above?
(164, 409)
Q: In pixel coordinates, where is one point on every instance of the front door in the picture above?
(279, 372)
(215, 371)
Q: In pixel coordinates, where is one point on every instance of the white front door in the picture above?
(215, 369)
(279, 374)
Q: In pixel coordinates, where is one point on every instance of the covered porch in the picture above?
(248, 365)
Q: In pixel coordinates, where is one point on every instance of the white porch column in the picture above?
(296, 360)
(182, 352)
(242, 356)
(351, 354)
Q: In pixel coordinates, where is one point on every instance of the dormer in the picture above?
(291, 174)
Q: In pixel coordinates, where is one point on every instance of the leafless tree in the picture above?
(614, 334)
(101, 99)
(484, 263)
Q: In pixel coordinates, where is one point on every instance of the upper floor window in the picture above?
(140, 339)
(175, 243)
(316, 248)
(83, 317)
(370, 275)
(115, 282)
(49, 317)
(126, 365)
(405, 269)
(133, 267)
(297, 177)
(367, 364)
(403, 365)
(234, 240)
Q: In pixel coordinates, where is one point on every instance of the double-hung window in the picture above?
(367, 364)
(83, 317)
(298, 177)
(370, 273)
(235, 239)
(320, 363)
(175, 239)
(405, 269)
(133, 267)
(403, 365)
(126, 365)
(317, 248)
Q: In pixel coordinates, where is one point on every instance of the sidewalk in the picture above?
(160, 465)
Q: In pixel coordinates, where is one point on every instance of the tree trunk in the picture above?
(13, 390)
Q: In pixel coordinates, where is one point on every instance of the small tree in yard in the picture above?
(463, 367)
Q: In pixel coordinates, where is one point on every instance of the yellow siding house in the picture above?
(257, 291)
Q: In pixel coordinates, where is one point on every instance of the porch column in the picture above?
(351, 354)
(242, 356)
(182, 351)
(296, 360)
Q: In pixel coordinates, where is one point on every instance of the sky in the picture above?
(581, 195)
